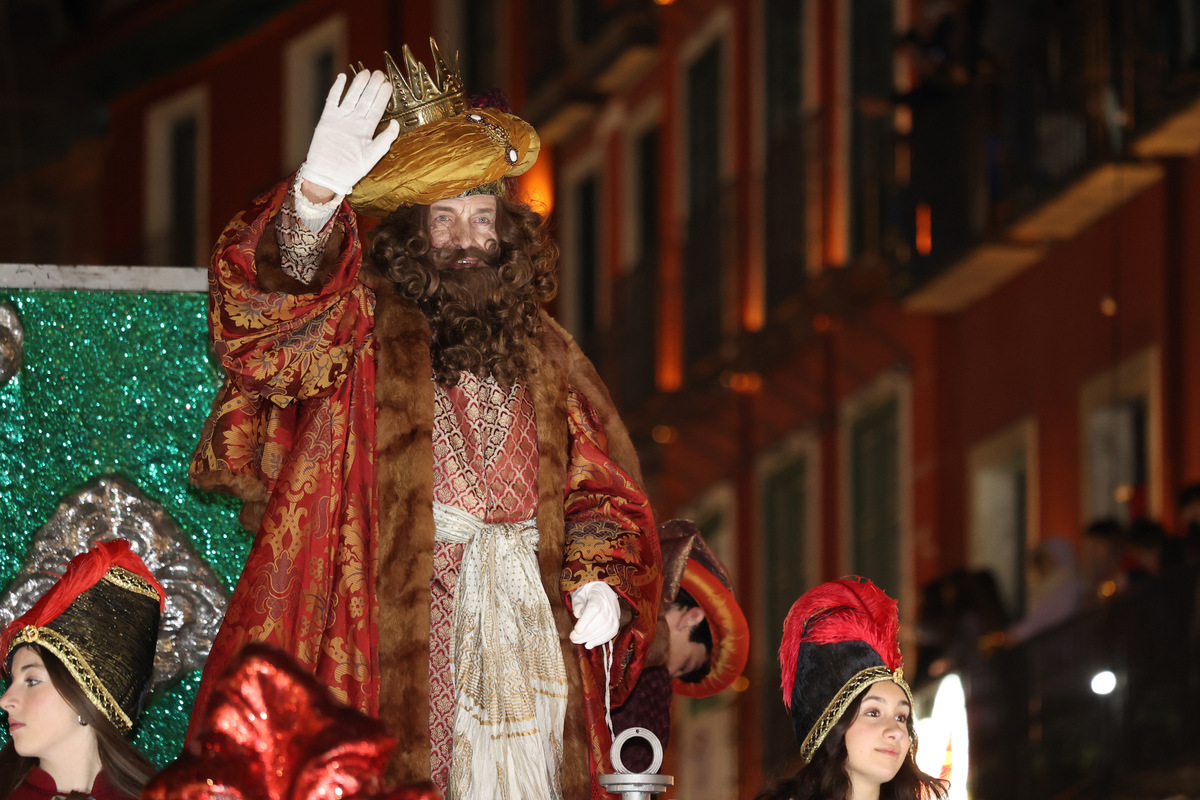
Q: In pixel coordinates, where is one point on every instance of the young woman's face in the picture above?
(877, 741)
(41, 723)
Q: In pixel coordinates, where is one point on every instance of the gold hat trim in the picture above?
(845, 696)
(132, 582)
(422, 98)
(66, 652)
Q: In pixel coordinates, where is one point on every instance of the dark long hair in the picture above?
(482, 320)
(125, 769)
(825, 777)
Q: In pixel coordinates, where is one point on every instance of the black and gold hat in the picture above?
(838, 639)
(101, 621)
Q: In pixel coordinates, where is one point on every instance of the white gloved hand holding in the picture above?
(599, 614)
(344, 145)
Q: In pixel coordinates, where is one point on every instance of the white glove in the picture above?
(344, 146)
(595, 606)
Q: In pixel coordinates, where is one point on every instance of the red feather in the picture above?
(83, 572)
(848, 609)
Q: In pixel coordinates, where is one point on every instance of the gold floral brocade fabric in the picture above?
(296, 421)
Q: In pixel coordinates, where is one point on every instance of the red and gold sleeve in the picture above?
(611, 537)
(280, 342)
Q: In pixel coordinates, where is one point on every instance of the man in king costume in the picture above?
(451, 532)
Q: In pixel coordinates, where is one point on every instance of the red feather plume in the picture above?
(83, 572)
(848, 609)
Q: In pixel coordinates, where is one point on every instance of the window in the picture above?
(177, 180)
(876, 480)
(545, 50)
(181, 198)
(875, 527)
(637, 292)
(311, 62)
(587, 267)
(787, 142)
(1122, 440)
(703, 257)
(1002, 495)
(787, 488)
(871, 48)
(475, 30)
(587, 19)
(582, 310)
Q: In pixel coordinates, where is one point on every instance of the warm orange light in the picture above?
(924, 229)
(536, 187)
(745, 382)
(753, 312)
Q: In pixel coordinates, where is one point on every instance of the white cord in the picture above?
(608, 662)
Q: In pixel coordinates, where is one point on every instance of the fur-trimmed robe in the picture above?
(325, 428)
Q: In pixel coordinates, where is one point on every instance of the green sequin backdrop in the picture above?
(114, 383)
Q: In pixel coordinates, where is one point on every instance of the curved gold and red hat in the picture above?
(838, 639)
(101, 621)
(690, 565)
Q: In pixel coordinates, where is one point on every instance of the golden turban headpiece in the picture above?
(445, 147)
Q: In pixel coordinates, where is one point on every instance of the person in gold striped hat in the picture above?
(450, 529)
(79, 665)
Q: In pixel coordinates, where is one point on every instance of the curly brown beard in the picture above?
(483, 319)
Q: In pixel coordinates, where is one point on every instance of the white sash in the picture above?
(510, 686)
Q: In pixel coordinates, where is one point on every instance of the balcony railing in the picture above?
(1037, 727)
(1054, 90)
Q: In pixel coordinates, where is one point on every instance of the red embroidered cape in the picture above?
(324, 428)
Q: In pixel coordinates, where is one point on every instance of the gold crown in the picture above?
(422, 99)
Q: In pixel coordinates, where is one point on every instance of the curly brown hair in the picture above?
(484, 319)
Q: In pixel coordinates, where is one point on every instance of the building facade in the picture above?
(884, 287)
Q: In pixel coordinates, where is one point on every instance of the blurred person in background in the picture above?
(1101, 550)
(1187, 539)
(1143, 560)
(1055, 589)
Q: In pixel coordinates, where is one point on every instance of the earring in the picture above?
(81, 720)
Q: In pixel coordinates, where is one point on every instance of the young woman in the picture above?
(851, 709)
(79, 664)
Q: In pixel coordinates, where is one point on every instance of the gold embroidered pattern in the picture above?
(79, 668)
(845, 696)
(131, 582)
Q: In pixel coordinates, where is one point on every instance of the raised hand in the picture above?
(344, 145)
